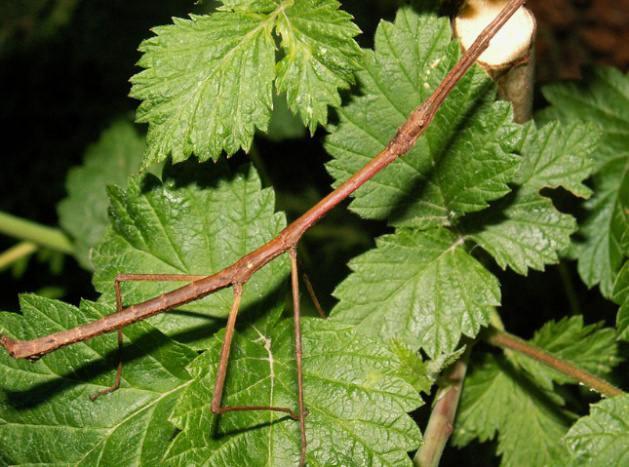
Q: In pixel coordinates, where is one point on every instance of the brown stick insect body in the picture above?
(239, 272)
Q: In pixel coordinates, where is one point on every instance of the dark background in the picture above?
(64, 70)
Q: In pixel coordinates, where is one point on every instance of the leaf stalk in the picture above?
(505, 340)
(30, 231)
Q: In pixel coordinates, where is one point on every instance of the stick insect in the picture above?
(237, 274)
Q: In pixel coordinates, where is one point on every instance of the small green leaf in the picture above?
(320, 57)
(602, 438)
(465, 158)
(421, 287)
(110, 161)
(621, 296)
(356, 404)
(46, 416)
(602, 99)
(412, 368)
(592, 348)
(499, 400)
(198, 220)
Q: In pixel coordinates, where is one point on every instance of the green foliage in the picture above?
(410, 306)
(356, 404)
(529, 431)
(465, 158)
(421, 284)
(621, 296)
(191, 222)
(513, 397)
(603, 100)
(110, 161)
(591, 348)
(601, 439)
(525, 230)
(208, 81)
(46, 416)
(418, 286)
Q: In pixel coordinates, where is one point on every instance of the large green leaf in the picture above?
(356, 403)
(208, 80)
(419, 286)
(524, 230)
(198, 220)
(46, 416)
(499, 400)
(111, 161)
(464, 159)
(602, 99)
(602, 438)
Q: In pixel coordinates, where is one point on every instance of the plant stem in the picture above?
(441, 422)
(30, 231)
(15, 253)
(568, 287)
(505, 340)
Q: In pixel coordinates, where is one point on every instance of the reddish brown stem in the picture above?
(241, 270)
(509, 341)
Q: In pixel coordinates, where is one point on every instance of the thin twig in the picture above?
(40, 234)
(16, 253)
(509, 341)
(241, 270)
(441, 422)
(313, 296)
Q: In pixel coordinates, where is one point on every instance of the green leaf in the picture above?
(621, 296)
(198, 220)
(603, 100)
(600, 252)
(46, 416)
(465, 158)
(206, 86)
(320, 57)
(524, 230)
(356, 403)
(111, 161)
(207, 82)
(421, 287)
(592, 348)
(558, 155)
(528, 420)
(602, 438)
